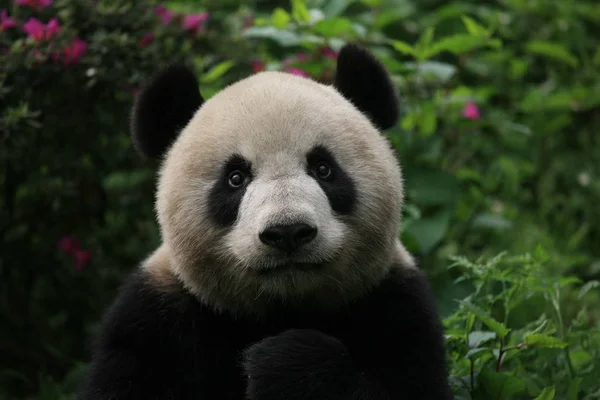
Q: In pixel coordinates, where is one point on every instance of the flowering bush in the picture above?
(498, 142)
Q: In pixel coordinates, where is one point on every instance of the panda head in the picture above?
(278, 189)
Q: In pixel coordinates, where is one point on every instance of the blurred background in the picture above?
(499, 140)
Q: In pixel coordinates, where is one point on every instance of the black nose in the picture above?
(288, 237)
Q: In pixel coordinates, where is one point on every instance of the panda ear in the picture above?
(363, 80)
(163, 107)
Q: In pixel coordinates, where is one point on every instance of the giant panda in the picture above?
(280, 275)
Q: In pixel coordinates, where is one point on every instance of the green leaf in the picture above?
(478, 337)
(335, 7)
(487, 319)
(409, 121)
(431, 187)
(426, 38)
(428, 232)
(217, 71)
(596, 59)
(333, 27)
(476, 354)
(554, 50)
(491, 221)
(573, 392)
(403, 47)
(280, 18)
(473, 27)
(299, 11)
(497, 385)
(547, 394)
(541, 340)
(283, 37)
(459, 44)
(439, 70)
(428, 121)
(587, 287)
(422, 46)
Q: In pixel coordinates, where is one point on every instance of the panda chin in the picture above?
(290, 267)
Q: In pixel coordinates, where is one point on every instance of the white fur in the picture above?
(273, 119)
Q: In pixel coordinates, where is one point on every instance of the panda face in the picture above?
(284, 215)
(280, 188)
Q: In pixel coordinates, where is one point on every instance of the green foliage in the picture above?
(509, 338)
(498, 141)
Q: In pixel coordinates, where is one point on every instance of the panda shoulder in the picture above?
(407, 287)
(150, 300)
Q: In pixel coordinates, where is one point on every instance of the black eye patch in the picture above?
(224, 200)
(337, 185)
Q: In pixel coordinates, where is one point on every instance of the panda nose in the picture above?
(288, 237)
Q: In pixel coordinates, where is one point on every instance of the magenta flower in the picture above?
(258, 66)
(37, 30)
(34, 29)
(328, 53)
(301, 57)
(74, 51)
(165, 14)
(193, 22)
(34, 3)
(296, 71)
(80, 258)
(6, 22)
(471, 111)
(67, 244)
(52, 28)
(146, 39)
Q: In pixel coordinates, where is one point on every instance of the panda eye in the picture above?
(323, 170)
(236, 179)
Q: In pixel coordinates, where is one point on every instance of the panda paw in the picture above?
(298, 364)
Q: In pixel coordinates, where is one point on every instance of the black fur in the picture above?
(157, 345)
(338, 187)
(224, 201)
(363, 80)
(164, 107)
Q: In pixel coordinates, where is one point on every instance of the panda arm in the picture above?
(394, 350)
(139, 351)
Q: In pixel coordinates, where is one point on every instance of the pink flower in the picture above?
(165, 14)
(34, 28)
(134, 90)
(146, 40)
(37, 30)
(80, 258)
(52, 28)
(73, 52)
(193, 22)
(471, 111)
(258, 66)
(34, 3)
(328, 53)
(301, 57)
(6, 22)
(296, 71)
(67, 244)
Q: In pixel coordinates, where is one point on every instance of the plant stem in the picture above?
(500, 355)
(472, 379)
(561, 328)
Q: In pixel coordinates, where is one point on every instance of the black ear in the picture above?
(363, 80)
(163, 107)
